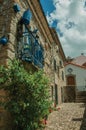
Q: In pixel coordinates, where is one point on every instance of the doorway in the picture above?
(71, 88)
(71, 80)
(56, 94)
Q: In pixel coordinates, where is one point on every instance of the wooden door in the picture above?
(71, 80)
(71, 88)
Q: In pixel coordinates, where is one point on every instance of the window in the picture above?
(58, 71)
(62, 75)
(29, 49)
(52, 94)
(60, 63)
(70, 70)
(54, 64)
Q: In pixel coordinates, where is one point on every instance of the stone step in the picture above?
(81, 98)
(81, 93)
(79, 101)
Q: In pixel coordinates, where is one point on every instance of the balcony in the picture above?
(30, 50)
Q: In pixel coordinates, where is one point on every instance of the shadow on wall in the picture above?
(68, 94)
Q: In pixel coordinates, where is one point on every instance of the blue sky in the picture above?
(48, 8)
(47, 5)
(69, 19)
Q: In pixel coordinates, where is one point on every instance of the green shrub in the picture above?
(27, 95)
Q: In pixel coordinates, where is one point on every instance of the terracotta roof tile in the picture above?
(79, 60)
(69, 63)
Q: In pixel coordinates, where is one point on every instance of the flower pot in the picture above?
(3, 40)
(50, 110)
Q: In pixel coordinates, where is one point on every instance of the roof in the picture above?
(57, 41)
(69, 63)
(80, 60)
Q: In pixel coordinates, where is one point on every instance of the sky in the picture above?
(69, 19)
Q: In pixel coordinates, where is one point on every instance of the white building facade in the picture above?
(76, 76)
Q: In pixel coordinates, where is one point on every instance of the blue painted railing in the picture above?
(32, 50)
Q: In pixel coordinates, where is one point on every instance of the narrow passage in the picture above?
(70, 116)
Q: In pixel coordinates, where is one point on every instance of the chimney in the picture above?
(82, 54)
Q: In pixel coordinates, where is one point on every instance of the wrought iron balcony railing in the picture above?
(31, 50)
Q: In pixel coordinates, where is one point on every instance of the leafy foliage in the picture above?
(27, 95)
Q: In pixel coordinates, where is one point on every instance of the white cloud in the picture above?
(71, 15)
(50, 19)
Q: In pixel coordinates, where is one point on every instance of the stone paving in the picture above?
(70, 116)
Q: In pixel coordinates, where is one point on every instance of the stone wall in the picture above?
(9, 20)
(5, 20)
(6, 12)
(8, 27)
(58, 73)
(5, 118)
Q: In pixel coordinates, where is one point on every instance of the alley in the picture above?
(69, 116)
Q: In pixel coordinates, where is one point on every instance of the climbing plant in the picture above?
(27, 97)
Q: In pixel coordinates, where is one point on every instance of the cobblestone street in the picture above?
(70, 116)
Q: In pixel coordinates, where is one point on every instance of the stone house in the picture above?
(58, 72)
(25, 34)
